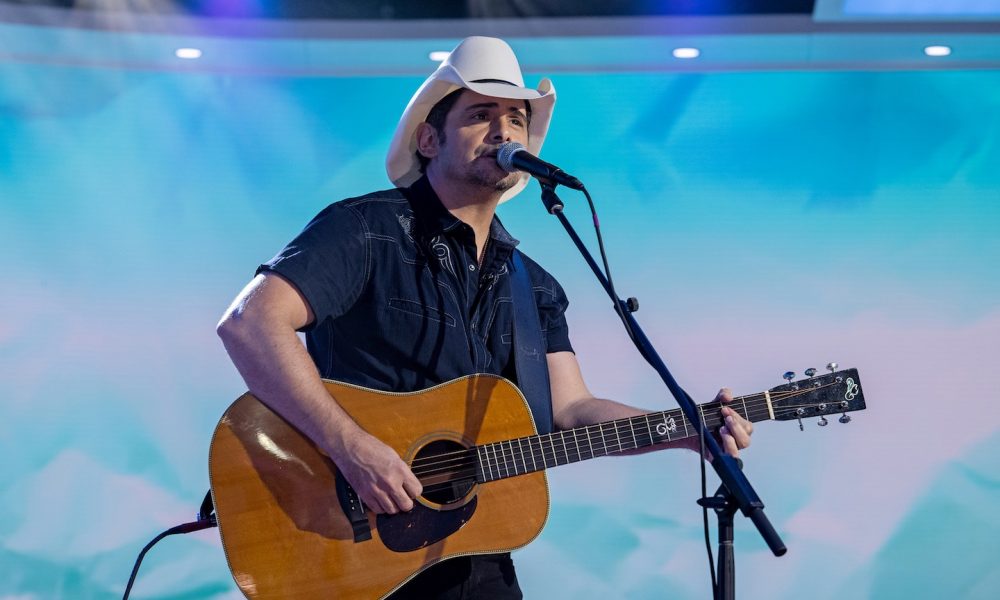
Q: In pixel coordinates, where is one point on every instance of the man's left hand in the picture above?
(735, 431)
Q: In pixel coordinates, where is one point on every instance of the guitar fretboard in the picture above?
(510, 458)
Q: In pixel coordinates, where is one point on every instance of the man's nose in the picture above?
(500, 131)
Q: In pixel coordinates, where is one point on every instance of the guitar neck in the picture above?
(510, 458)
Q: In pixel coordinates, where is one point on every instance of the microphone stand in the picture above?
(735, 493)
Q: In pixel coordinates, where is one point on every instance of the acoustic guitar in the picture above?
(291, 526)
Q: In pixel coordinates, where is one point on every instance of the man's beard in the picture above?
(484, 174)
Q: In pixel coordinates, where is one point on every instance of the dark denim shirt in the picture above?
(399, 300)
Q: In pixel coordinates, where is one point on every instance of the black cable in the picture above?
(607, 269)
(204, 523)
(704, 512)
(701, 428)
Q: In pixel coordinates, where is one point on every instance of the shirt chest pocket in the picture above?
(419, 310)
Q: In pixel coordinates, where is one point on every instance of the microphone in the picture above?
(512, 156)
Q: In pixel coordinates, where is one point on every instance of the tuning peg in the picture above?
(810, 372)
(789, 376)
(844, 418)
(823, 422)
(831, 367)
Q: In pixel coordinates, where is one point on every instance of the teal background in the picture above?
(767, 221)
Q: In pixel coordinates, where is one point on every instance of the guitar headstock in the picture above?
(819, 395)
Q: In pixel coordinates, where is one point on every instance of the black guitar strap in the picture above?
(529, 347)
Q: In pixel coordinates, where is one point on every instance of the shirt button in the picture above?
(472, 267)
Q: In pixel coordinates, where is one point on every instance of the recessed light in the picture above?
(937, 50)
(686, 53)
(438, 55)
(188, 53)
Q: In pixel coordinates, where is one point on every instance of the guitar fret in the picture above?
(489, 462)
(524, 458)
(650, 430)
(513, 457)
(481, 475)
(503, 458)
(635, 443)
(576, 443)
(508, 460)
(495, 461)
(520, 450)
(617, 437)
(498, 457)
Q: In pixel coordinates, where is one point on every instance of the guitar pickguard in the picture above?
(422, 526)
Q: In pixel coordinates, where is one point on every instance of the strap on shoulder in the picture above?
(529, 347)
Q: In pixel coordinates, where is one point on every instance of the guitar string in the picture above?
(467, 472)
(712, 406)
(606, 445)
(552, 451)
(595, 445)
(758, 411)
(627, 425)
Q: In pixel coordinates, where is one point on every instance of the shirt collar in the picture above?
(433, 218)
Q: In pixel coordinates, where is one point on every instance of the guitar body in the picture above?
(285, 533)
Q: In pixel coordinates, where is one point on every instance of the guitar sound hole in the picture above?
(447, 470)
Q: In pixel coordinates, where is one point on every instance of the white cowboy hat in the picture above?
(486, 66)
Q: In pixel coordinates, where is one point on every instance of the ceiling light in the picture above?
(686, 53)
(438, 55)
(937, 50)
(188, 53)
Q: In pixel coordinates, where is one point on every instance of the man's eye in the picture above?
(517, 122)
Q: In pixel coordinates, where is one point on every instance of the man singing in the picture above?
(407, 288)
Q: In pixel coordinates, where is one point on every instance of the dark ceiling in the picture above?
(433, 9)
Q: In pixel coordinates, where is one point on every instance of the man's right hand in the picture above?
(378, 475)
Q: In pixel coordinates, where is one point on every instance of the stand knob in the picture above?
(632, 304)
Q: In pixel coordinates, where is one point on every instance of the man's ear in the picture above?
(428, 142)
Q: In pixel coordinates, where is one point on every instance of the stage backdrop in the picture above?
(766, 222)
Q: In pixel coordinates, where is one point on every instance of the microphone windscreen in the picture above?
(505, 155)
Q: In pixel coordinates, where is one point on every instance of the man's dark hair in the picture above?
(439, 114)
(436, 118)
